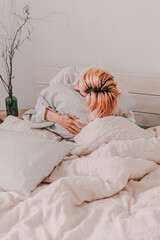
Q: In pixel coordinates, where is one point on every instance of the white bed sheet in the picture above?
(112, 193)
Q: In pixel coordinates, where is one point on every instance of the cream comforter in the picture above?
(111, 193)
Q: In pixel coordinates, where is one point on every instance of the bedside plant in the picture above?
(11, 39)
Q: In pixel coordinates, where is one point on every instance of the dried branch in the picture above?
(10, 41)
(4, 28)
(9, 44)
(5, 88)
(4, 83)
(18, 30)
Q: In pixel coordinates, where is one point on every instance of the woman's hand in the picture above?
(66, 121)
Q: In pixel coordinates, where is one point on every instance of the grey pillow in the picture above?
(26, 160)
(65, 100)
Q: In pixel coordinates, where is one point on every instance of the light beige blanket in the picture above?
(111, 193)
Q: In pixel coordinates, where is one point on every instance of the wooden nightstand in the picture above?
(3, 114)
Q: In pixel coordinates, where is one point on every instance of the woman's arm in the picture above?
(66, 121)
(34, 118)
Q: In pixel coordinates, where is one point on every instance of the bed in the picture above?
(108, 187)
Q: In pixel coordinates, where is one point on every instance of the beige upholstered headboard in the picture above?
(145, 88)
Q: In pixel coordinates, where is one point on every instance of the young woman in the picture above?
(100, 92)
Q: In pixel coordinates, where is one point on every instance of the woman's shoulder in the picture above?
(61, 87)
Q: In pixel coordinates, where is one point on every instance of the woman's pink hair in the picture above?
(101, 92)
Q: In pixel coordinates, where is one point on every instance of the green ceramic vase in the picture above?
(11, 105)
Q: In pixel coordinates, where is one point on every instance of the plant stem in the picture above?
(6, 86)
(12, 53)
(4, 81)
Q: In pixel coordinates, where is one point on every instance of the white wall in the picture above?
(122, 36)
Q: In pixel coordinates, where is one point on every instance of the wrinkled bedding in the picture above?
(111, 193)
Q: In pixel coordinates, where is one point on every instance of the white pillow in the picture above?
(26, 160)
(103, 130)
(125, 103)
(14, 123)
